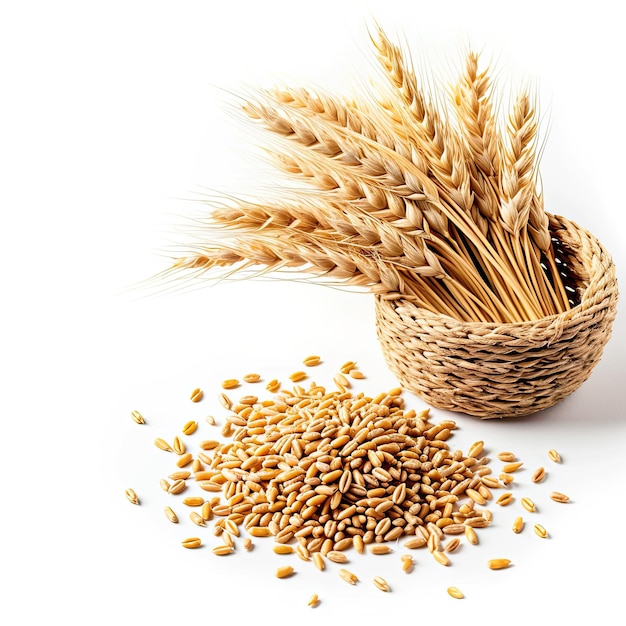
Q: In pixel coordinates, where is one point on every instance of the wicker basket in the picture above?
(491, 370)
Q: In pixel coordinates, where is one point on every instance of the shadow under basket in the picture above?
(494, 370)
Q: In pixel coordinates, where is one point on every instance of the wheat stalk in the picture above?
(405, 196)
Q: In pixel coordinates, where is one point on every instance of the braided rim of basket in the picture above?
(502, 370)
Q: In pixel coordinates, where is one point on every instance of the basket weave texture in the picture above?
(492, 370)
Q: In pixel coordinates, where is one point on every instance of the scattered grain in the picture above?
(197, 395)
(381, 583)
(313, 601)
(252, 378)
(455, 593)
(171, 516)
(192, 542)
(197, 519)
(554, 456)
(529, 505)
(190, 427)
(193, 501)
(178, 446)
(509, 468)
(518, 525)
(132, 496)
(506, 457)
(162, 445)
(540, 531)
(284, 571)
(505, 499)
(557, 496)
(298, 376)
(348, 576)
(138, 417)
(318, 561)
(538, 475)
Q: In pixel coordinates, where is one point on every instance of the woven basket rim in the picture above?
(397, 301)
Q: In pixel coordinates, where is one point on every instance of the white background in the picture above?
(114, 116)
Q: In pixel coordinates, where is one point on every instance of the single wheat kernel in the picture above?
(185, 459)
(336, 556)
(247, 544)
(529, 505)
(452, 545)
(284, 571)
(163, 445)
(180, 475)
(230, 383)
(132, 496)
(197, 394)
(347, 366)
(341, 381)
(169, 513)
(348, 576)
(476, 496)
(224, 550)
(178, 445)
(313, 600)
(407, 563)
(283, 548)
(356, 374)
(498, 563)
(506, 479)
(518, 525)
(554, 456)
(206, 511)
(259, 531)
(165, 484)
(538, 475)
(415, 542)
(381, 583)
(178, 486)
(440, 557)
(559, 497)
(232, 527)
(506, 457)
(194, 501)
(318, 561)
(505, 499)
(210, 420)
(251, 378)
(540, 531)
(312, 361)
(273, 386)
(138, 417)
(196, 518)
(471, 536)
(380, 548)
(192, 542)
(455, 593)
(358, 543)
(296, 377)
(476, 448)
(509, 468)
(190, 427)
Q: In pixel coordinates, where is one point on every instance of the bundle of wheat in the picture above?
(428, 199)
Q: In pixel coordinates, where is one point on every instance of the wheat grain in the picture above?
(137, 417)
